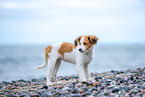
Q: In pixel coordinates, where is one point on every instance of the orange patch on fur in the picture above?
(78, 40)
(65, 48)
(93, 39)
(47, 50)
(87, 43)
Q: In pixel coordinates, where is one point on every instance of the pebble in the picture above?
(21, 80)
(86, 93)
(75, 95)
(45, 87)
(111, 84)
(96, 78)
(85, 82)
(74, 90)
(108, 80)
(115, 90)
(95, 83)
(34, 95)
(59, 87)
(47, 94)
(65, 89)
(93, 89)
(78, 85)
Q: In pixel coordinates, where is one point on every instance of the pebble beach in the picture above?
(125, 83)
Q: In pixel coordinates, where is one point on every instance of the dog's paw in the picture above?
(50, 84)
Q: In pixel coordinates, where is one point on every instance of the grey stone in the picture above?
(47, 94)
(65, 89)
(76, 95)
(115, 90)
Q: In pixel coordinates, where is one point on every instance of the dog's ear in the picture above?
(93, 39)
(78, 40)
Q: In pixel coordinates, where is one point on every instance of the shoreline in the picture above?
(113, 83)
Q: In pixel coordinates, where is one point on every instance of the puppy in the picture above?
(80, 53)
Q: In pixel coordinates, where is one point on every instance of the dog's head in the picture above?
(84, 43)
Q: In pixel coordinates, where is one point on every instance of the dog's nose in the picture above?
(80, 49)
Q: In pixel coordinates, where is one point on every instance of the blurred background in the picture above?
(28, 26)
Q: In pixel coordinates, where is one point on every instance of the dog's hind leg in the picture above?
(54, 74)
(51, 66)
(43, 65)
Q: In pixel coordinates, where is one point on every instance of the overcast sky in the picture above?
(44, 21)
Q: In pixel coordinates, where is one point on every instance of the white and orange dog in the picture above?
(80, 54)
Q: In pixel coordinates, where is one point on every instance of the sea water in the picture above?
(18, 61)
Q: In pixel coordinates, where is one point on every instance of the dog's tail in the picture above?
(44, 64)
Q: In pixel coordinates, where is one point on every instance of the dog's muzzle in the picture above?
(81, 50)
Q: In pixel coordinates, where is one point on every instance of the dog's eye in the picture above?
(85, 43)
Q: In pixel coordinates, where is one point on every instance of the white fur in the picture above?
(81, 45)
(81, 60)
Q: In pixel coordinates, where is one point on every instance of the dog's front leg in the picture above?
(86, 70)
(80, 71)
